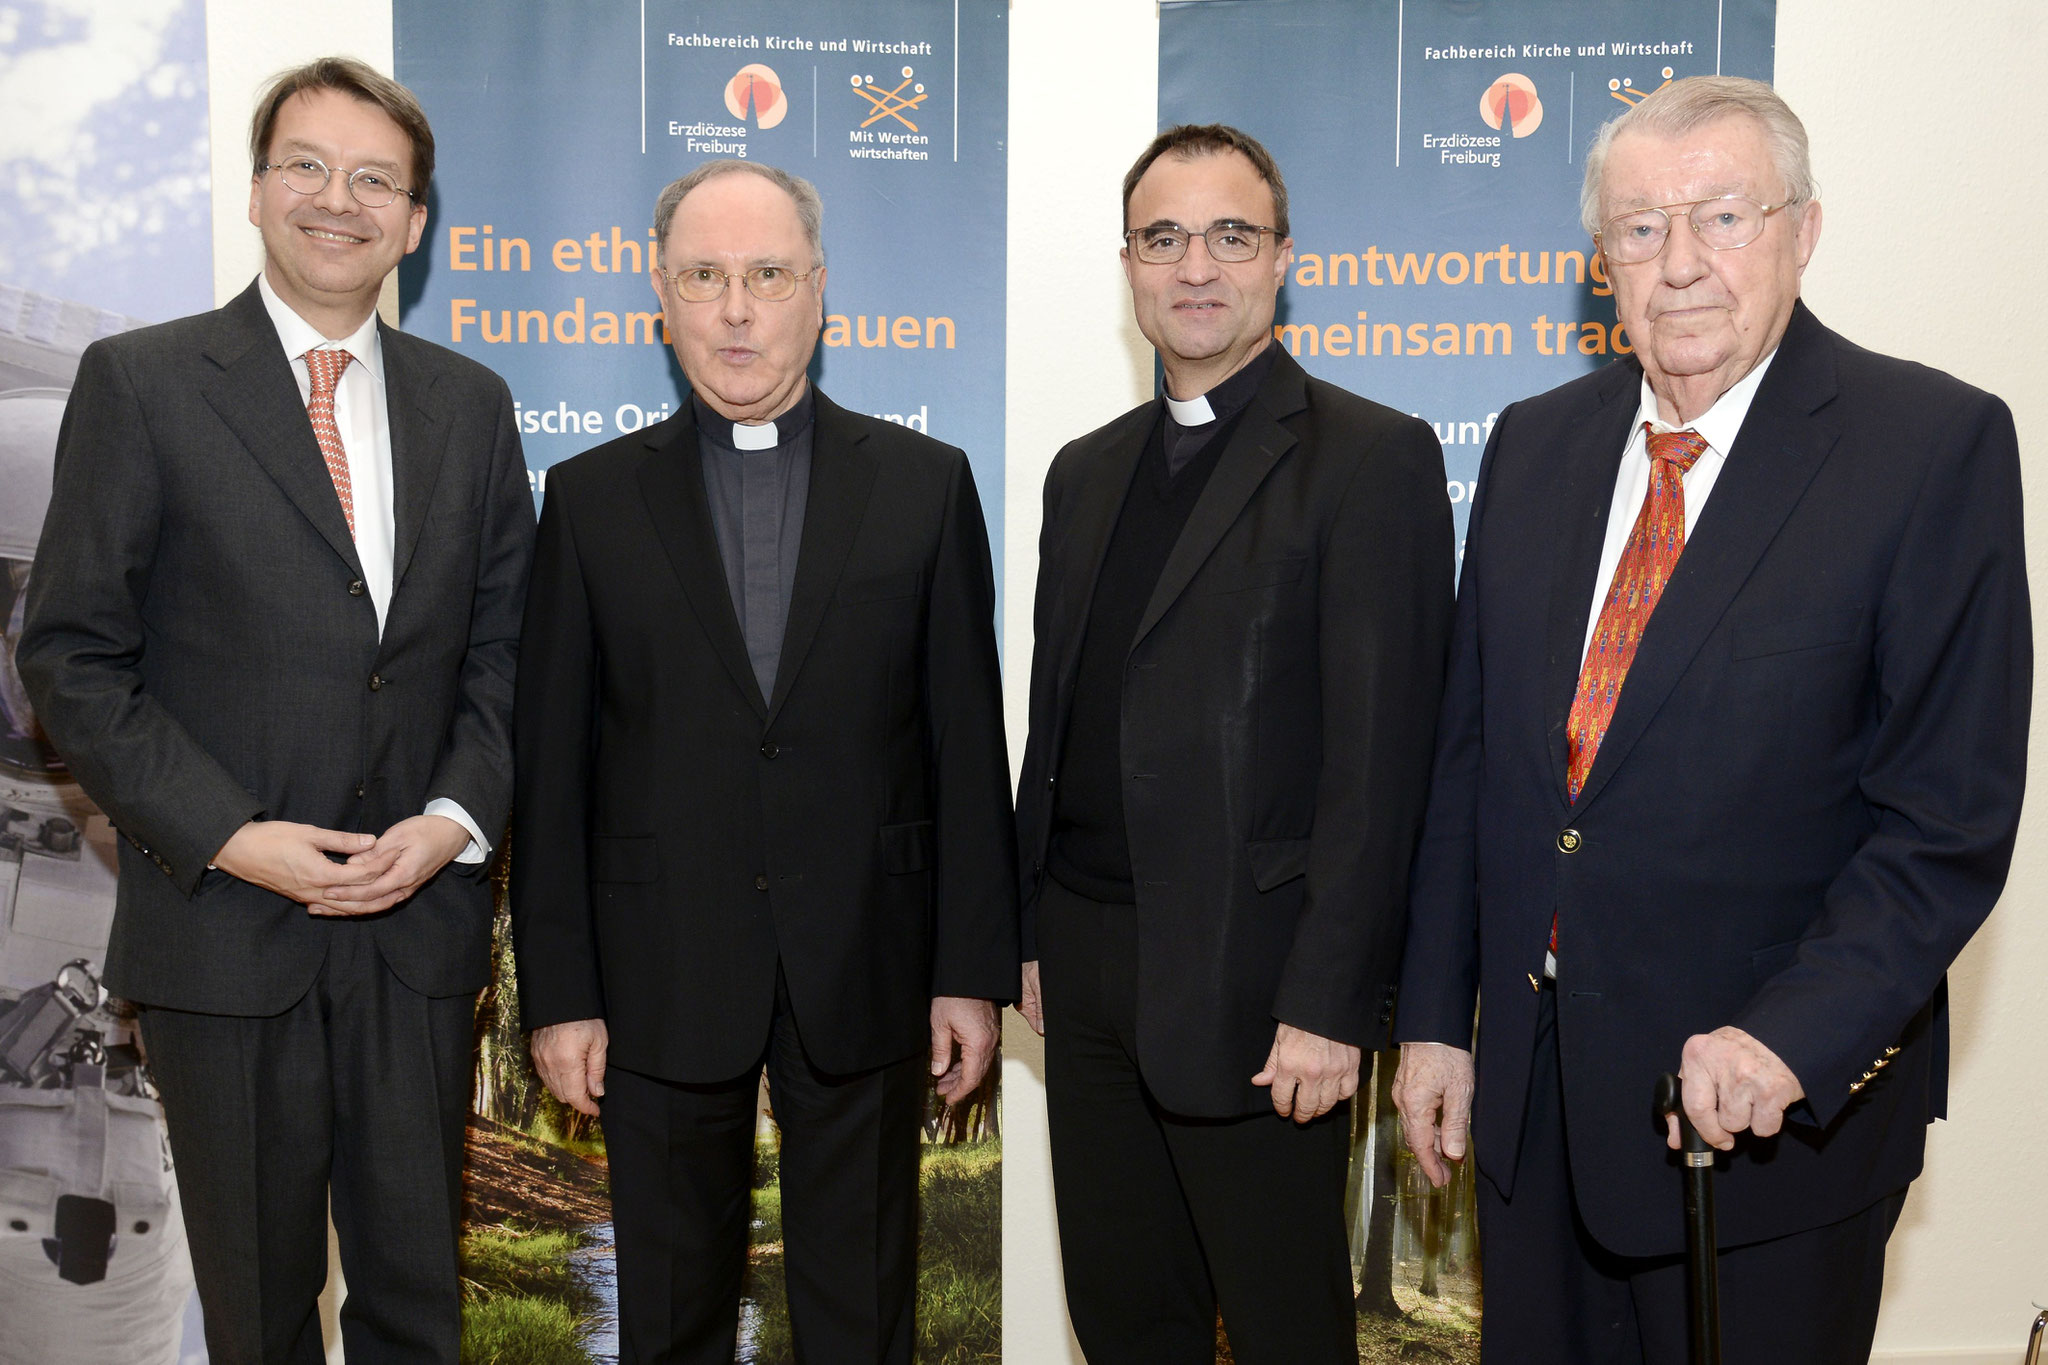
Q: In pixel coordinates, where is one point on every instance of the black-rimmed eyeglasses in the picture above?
(1165, 243)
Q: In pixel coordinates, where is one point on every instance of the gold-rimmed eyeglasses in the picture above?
(703, 283)
(308, 175)
(1723, 223)
(1228, 241)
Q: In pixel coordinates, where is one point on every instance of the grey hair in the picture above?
(1694, 102)
(810, 209)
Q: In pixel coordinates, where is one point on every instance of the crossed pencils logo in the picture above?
(890, 104)
(757, 91)
(1624, 89)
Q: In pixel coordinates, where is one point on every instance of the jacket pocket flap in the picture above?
(907, 848)
(624, 858)
(1751, 640)
(1244, 577)
(1276, 862)
(881, 589)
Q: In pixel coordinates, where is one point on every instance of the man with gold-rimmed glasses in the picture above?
(1728, 771)
(763, 817)
(273, 630)
(1244, 591)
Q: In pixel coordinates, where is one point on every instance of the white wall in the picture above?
(1935, 197)
(1935, 200)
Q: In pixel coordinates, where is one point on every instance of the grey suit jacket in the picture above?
(201, 648)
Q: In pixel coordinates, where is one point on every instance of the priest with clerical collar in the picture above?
(763, 806)
(1244, 595)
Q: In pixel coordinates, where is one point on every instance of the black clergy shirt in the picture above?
(757, 499)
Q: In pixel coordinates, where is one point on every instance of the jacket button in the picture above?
(376, 682)
(769, 751)
(359, 791)
(761, 883)
(1568, 841)
(356, 588)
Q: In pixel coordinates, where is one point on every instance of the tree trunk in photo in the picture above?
(1432, 1240)
(1376, 1274)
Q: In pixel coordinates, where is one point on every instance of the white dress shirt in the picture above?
(1717, 426)
(365, 426)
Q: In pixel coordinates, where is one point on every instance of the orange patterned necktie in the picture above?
(324, 367)
(1654, 545)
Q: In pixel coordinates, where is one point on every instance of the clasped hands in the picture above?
(380, 871)
(1732, 1084)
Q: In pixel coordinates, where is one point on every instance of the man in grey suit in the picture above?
(272, 629)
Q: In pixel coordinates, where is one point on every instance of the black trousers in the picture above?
(1553, 1294)
(360, 1089)
(1163, 1216)
(682, 1162)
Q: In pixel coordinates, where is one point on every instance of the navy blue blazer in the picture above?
(1804, 807)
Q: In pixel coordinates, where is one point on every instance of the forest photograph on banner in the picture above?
(557, 128)
(1433, 153)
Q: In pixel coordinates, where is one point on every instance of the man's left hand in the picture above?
(1732, 1083)
(405, 858)
(1310, 1075)
(970, 1023)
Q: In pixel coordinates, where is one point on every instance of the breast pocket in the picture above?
(1270, 573)
(888, 587)
(1758, 639)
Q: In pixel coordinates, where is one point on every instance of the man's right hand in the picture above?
(292, 861)
(1433, 1092)
(1031, 1004)
(570, 1060)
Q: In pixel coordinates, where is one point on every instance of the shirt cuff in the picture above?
(479, 847)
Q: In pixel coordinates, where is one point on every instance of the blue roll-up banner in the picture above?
(556, 127)
(1433, 152)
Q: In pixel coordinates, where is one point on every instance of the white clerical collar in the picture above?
(758, 436)
(1191, 412)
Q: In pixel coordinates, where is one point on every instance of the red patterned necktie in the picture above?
(1654, 544)
(324, 367)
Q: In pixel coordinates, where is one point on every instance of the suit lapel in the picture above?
(1254, 448)
(842, 474)
(1102, 483)
(672, 482)
(1785, 438)
(419, 438)
(255, 394)
(1585, 492)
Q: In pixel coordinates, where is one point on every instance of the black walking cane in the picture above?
(1703, 1285)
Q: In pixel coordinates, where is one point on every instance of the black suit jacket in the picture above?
(1805, 804)
(201, 650)
(1277, 715)
(678, 834)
